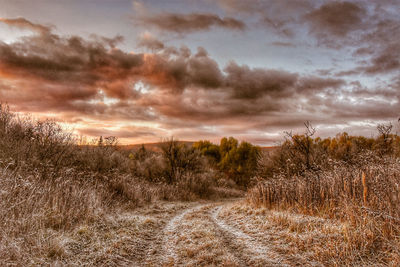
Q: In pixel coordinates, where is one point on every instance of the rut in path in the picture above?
(162, 250)
(170, 233)
(252, 251)
(186, 232)
(156, 250)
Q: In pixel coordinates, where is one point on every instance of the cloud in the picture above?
(89, 81)
(279, 26)
(386, 61)
(188, 23)
(23, 23)
(147, 40)
(336, 18)
(370, 31)
(283, 44)
(235, 6)
(247, 83)
(121, 132)
(74, 66)
(279, 17)
(176, 71)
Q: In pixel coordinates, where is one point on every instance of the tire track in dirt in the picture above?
(249, 250)
(185, 232)
(170, 231)
(154, 245)
(176, 230)
(162, 252)
(226, 238)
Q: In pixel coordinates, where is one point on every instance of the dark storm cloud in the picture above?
(332, 23)
(244, 93)
(371, 29)
(382, 44)
(187, 23)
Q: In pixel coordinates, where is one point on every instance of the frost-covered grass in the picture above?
(37, 216)
(191, 239)
(363, 197)
(56, 196)
(307, 240)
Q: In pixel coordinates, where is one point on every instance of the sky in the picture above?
(144, 71)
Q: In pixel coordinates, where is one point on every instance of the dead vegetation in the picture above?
(50, 186)
(353, 180)
(314, 201)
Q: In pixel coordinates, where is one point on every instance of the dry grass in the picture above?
(303, 239)
(193, 240)
(35, 212)
(61, 203)
(364, 198)
(53, 190)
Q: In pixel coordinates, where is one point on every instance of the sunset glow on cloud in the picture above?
(143, 71)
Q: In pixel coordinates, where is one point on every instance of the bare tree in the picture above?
(180, 160)
(385, 136)
(303, 144)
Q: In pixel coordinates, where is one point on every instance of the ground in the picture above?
(222, 233)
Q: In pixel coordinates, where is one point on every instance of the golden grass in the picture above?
(364, 200)
(305, 240)
(50, 187)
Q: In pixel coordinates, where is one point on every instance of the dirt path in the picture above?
(250, 250)
(198, 236)
(171, 233)
(224, 233)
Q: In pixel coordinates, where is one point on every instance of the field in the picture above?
(308, 202)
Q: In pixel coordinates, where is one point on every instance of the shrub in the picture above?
(180, 160)
(237, 161)
(148, 165)
(50, 181)
(349, 178)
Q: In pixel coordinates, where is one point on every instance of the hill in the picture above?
(156, 146)
(151, 146)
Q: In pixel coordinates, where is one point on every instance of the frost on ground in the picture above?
(119, 239)
(303, 240)
(198, 236)
(192, 240)
(256, 252)
(225, 233)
